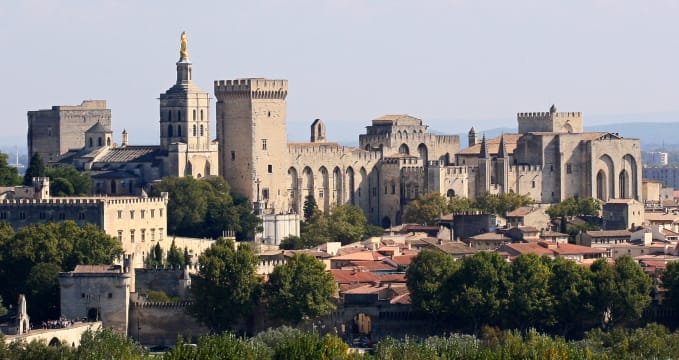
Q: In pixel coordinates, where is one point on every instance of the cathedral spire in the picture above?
(484, 148)
(502, 151)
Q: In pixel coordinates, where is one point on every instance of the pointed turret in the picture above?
(502, 151)
(472, 137)
(484, 148)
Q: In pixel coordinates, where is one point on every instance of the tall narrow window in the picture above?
(201, 130)
(201, 115)
(195, 131)
(132, 235)
(194, 115)
(179, 130)
(263, 144)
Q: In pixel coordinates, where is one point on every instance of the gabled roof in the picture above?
(493, 145)
(360, 256)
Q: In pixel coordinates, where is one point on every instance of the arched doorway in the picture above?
(92, 314)
(386, 222)
(55, 342)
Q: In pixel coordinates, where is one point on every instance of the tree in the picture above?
(300, 289)
(33, 257)
(61, 187)
(225, 289)
(3, 309)
(36, 168)
(670, 281)
(155, 257)
(346, 224)
(530, 303)
(76, 182)
(310, 207)
(9, 176)
(458, 205)
(425, 277)
(175, 258)
(622, 291)
(107, 344)
(574, 207)
(502, 203)
(206, 208)
(479, 289)
(426, 209)
(572, 287)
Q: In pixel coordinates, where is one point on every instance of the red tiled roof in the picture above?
(351, 276)
(404, 259)
(360, 256)
(371, 265)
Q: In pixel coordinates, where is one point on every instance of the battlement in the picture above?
(526, 169)
(457, 170)
(546, 115)
(84, 201)
(178, 304)
(331, 150)
(252, 88)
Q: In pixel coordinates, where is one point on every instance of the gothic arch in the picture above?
(351, 185)
(606, 165)
(386, 222)
(324, 192)
(179, 130)
(399, 135)
(293, 190)
(601, 186)
(424, 153)
(403, 149)
(624, 184)
(188, 171)
(308, 183)
(630, 164)
(169, 131)
(338, 183)
(405, 134)
(207, 168)
(363, 189)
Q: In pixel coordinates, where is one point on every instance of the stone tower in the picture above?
(471, 137)
(185, 125)
(317, 131)
(251, 131)
(485, 174)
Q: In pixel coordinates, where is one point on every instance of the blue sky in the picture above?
(452, 63)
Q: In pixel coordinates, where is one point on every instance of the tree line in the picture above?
(531, 292)
(427, 209)
(226, 290)
(32, 258)
(650, 342)
(344, 223)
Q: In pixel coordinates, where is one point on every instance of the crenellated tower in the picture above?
(252, 135)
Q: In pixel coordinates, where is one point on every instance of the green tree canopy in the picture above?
(154, 259)
(670, 281)
(9, 176)
(66, 180)
(225, 289)
(572, 287)
(300, 289)
(530, 302)
(479, 290)
(33, 257)
(206, 208)
(310, 207)
(175, 257)
(622, 291)
(36, 168)
(574, 207)
(426, 209)
(425, 277)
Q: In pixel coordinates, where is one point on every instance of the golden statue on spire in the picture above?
(183, 54)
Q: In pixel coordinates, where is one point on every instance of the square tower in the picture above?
(252, 136)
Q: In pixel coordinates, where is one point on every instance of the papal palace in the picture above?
(398, 159)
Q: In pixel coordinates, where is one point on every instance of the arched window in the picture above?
(194, 114)
(169, 131)
(194, 130)
(201, 130)
(179, 115)
(179, 130)
(108, 142)
(201, 115)
(169, 115)
(99, 142)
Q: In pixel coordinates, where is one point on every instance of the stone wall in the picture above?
(161, 323)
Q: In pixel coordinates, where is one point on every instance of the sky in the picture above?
(453, 63)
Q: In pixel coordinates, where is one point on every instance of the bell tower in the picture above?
(185, 123)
